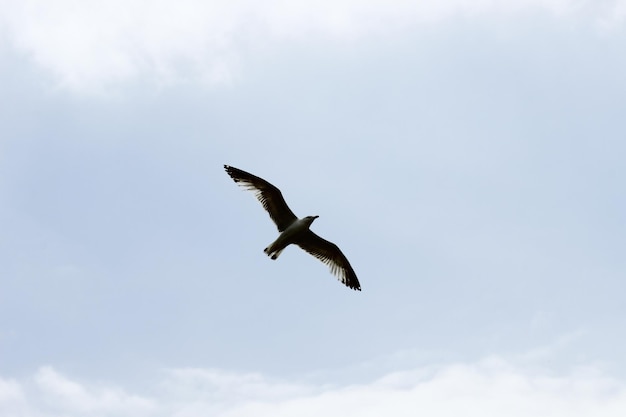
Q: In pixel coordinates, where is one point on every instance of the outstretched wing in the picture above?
(331, 255)
(269, 196)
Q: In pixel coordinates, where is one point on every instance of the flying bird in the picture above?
(294, 230)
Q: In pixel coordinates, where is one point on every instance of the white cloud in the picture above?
(211, 392)
(58, 393)
(90, 46)
(10, 391)
(491, 387)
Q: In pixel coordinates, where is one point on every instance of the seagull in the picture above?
(294, 230)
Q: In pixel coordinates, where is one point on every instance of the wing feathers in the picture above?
(269, 196)
(331, 255)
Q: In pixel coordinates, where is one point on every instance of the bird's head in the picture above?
(310, 219)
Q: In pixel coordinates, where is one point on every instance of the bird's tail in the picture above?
(272, 253)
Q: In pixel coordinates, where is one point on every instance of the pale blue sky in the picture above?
(467, 158)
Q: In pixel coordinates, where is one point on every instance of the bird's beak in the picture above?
(315, 217)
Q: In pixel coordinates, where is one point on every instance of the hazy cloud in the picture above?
(91, 46)
(55, 392)
(10, 391)
(491, 387)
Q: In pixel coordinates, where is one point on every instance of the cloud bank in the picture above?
(491, 387)
(91, 46)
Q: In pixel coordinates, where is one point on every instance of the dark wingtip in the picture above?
(356, 286)
(230, 170)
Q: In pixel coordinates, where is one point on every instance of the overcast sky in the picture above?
(467, 156)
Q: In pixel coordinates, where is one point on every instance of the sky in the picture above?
(466, 156)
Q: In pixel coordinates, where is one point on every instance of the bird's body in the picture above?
(294, 230)
(288, 236)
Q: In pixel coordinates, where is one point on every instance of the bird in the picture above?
(294, 230)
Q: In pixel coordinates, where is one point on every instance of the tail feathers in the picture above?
(274, 255)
